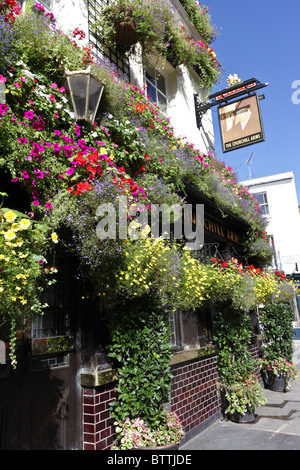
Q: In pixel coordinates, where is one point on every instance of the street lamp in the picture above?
(85, 91)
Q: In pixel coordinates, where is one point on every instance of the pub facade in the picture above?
(59, 396)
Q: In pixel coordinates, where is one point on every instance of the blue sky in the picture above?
(261, 40)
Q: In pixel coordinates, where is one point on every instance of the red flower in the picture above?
(80, 160)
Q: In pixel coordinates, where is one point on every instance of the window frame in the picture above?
(265, 205)
(155, 84)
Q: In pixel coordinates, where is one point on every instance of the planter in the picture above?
(249, 417)
(276, 383)
(126, 34)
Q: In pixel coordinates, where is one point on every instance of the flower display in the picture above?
(244, 396)
(137, 433)
(22, 277)
(67, 170)
(160, 35)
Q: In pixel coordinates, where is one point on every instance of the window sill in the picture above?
(195, 353)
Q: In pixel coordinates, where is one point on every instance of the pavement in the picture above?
(276, 425)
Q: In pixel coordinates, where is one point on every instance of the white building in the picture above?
(278, 201)
(173, 88)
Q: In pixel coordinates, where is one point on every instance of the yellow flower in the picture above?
(10, 216)
(15, 227)
(103, 151)
(25, 224)
(54, 237)
(9, 235)
(19, 242)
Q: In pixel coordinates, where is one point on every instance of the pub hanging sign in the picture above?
(240, 120)
(240, 123)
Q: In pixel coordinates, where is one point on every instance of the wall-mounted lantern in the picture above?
(85, 92)
(2, 93)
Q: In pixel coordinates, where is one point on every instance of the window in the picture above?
(156, 88)
(262, 200)
(46, 3)
(96, 42)
(191, 329)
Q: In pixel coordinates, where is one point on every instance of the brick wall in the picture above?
(194, 395)
(97, 423)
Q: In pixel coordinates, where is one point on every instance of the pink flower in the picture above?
(52, 97)
(3, 109)
(29, 115)
(48, 205)
(22, 140)
(22, 79)
(2, 79)
(17, 84)
(62, 89)
(25, 174)
(36, 203)
(57, 132)
(53, 85)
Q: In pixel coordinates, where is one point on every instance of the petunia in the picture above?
(48, 205)
(2, 79)
(10, 216)
(17, 85)
(9, 235)
(29, 115)
(24, 224)
(3, 109)
(54, 237)
(22, 140)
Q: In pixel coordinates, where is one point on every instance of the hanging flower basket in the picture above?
(126, 33)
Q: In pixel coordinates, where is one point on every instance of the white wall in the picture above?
(181, 83)
(284, 219)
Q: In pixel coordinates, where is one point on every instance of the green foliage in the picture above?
(233, 338)
(142, 351)
(160, 35)
(200, 17)
(276, 321)
(45, 49)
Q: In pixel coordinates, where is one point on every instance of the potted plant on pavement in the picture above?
(277, 366)
(278, 373)
(242, 398)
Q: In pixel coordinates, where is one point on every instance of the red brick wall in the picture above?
(194, 395)
(97, 423)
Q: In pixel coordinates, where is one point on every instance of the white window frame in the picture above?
(150, 70)
(264, 207)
